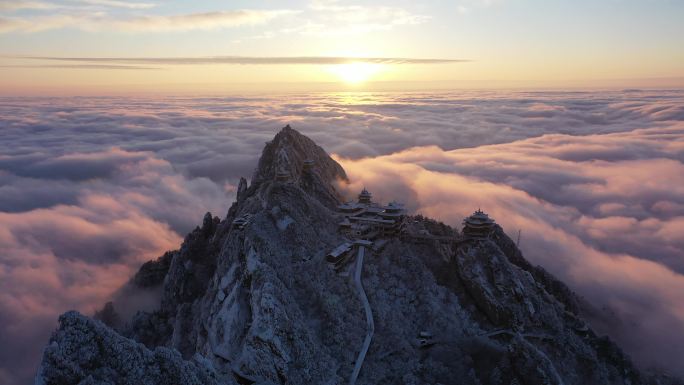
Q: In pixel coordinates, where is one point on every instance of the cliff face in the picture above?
(251, 299)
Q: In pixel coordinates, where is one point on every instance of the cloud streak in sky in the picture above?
(118, 4)
(82, 66)
(335, 18)
(242, 60)
(15, 5)
(149, 23)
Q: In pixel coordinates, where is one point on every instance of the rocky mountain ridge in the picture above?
(251, 299)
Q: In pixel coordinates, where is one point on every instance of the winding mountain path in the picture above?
(369, 316)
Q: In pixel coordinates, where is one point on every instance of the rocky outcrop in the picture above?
(83, 351)
(287, 153)
(254, 301)
(108, 316)
(152, 273)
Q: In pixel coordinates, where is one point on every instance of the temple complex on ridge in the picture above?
(363, 222)
(365, 219)
(371, 224)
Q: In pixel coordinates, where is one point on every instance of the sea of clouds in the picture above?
(90, 188)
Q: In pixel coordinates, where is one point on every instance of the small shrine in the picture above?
(365, 197)
(308, 165)
(478, 226)
(282, 172)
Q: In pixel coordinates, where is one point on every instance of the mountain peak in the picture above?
(294, 158)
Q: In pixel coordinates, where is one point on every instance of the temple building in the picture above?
(365, 197)
(393, 210)
(345, 225)
(308, 165)
(282, 172)
(282, 175)
(242, 221)
(478, 226)
(337, 257)
(351, 208)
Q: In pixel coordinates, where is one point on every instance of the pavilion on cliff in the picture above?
(365, 197)
(478, 226)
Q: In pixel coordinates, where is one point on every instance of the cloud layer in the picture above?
(92, 187)
(72, 237)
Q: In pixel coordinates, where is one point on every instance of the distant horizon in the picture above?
(284, 87)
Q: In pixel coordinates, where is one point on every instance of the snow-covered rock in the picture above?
(84, 351)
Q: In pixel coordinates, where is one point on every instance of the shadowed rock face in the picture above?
(258, 304)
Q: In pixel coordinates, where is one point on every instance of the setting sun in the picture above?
(356, 72)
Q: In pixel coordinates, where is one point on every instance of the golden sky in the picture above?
(116, 46)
